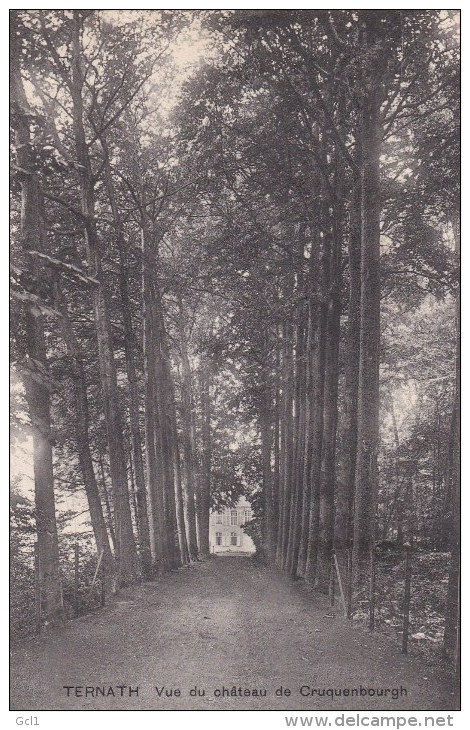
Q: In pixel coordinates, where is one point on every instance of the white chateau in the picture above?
(225, 529)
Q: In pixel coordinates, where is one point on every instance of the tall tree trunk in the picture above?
(38, 398)
(328, 476)
(286, 437)
(452, 623)
(204, 496)
(398, 501)
(35, 374)
(82, 437)
(276, 435)
(318, 393)
(170, 451)
(129, 350)
(366, 478)
(128, 570)
(188, 440)
(164, 451)
(312, 324)
(107, 503)
(132, 490)
(347, 468)
(163, 475)
(179, 495)
(154, 470)
(280, 427)
(299, 451)
(269, 527)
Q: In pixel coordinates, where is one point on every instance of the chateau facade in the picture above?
(226, 532)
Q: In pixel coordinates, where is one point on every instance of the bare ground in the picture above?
(224, 623)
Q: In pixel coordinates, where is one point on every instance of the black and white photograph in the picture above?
(235, 361)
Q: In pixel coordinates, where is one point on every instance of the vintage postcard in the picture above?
(235, 364)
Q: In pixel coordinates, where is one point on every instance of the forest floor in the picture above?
(225, 623)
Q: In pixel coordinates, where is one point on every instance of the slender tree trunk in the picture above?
(452, 623)
(312, 324)
(398, 502)
(347, 467)
(35, 374)
(107, 503)
(366, 478)
(280, 424)
(277, 478)
(205, 484)
(296, 418)
(318, 393)
(452, 618)
(154, 472)
(188, 440)
(269, 527)
(299, 453)
(128, 570)
(179, 495)
(286, 436)
(132, 490)
(266, 437)
(275, 474)
(328, 476)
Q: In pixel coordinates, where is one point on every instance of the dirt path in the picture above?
(226, 623)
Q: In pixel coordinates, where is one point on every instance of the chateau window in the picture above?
(218, 518)
(247, 515)
(234, 517)
(233, 538)
(218, 538)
